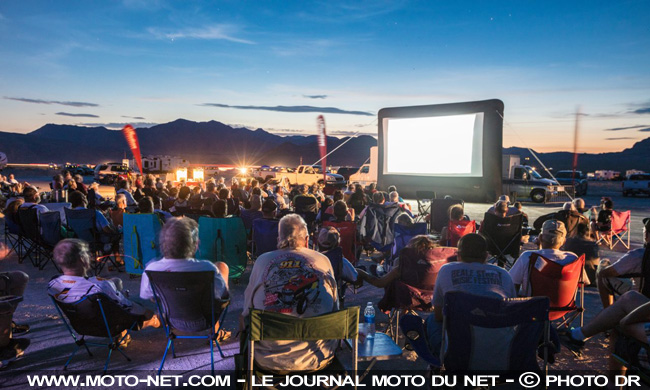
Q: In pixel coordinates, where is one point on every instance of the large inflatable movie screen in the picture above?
(451, 149)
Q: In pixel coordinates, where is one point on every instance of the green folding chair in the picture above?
(271, 326)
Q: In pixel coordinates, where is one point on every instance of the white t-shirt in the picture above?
(69, 289)
(299, 283)
(39, 207)
(519, 271)
(630, 263)
(474, 278)
(187, 265)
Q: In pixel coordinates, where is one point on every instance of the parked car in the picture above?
(638, 183)
(579, 180)
(109, 173)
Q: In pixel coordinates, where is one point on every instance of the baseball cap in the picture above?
(328, 238)
(553, 227)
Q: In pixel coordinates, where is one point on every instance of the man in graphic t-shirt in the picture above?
(296, 281)
(470, 274)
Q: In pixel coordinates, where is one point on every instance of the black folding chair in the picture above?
(424, 204)
(503, 235)
(30, 232)
(14, 241)
(186, 303)
(50, 235)
(83, 224)
(440, 213)
(96, 315)
(307, 208)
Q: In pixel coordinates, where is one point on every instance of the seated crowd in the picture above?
(300, 281)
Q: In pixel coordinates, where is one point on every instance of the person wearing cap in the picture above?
(268, 208)
(551, 240)
(469, 274)
(609, 280)
(329, 238)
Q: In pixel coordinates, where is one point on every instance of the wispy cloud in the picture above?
(350, 133)
(117, 125)
(224, 32)
(301, 109)
(618, 138)
(315, 96)
(643, 110)
(77, 115)
(627, 128)
(63, 103)
(645, 130)
(133, 117)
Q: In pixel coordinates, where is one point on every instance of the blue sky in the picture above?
(153, 61)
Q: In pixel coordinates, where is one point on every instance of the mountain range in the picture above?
(216, 143)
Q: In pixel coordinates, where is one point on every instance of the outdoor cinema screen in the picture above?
(453, 145)
(450, 149)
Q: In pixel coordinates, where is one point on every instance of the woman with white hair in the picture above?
(296, 281)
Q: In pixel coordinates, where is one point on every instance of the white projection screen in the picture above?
(453, 145)
(451, 149)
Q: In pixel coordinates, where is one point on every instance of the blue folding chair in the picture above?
(96, 315)
(404, 234)
(186, 304)
(486, 334)
(265, 236)
(82, 223)
(141, 242)
(224, 239)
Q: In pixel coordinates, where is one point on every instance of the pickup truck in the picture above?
(578, 180)
(638, 183)
(525, 181)
(307, 174)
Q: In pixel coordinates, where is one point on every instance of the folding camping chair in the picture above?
(96, 315)
(424, 204)
(50, 235)
(559, 283)
(644, 276)
(400, 296)
(456, 230)
(307, 208)
(224, 239)
(14, 241)
(335, 257)
(487, 334)
(141, 242)
(82, 223)
(619, 232)
(503, 235)
(349, 241)
(628, 352)
(404, 234)
(377, 226)
(266, 326)
(30, 232)
(440, 213)
(186, 304)
(265, 236)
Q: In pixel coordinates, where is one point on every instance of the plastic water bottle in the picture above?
(369, 315)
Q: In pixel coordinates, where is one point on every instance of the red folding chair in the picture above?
(620, 231)
(457, 229)
(560, 283)
(348, 231)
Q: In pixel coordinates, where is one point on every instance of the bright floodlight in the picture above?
(434, 146)
(197, 174)
(181, 174)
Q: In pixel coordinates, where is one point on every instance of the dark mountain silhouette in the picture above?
(217, 143)
(199, 142)
(636, 157)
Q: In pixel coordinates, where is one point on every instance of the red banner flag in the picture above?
(132, 140)
(322, 145)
